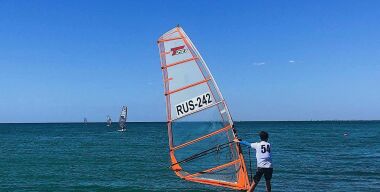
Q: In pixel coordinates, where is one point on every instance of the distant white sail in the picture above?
(109, 121)
(123, 118)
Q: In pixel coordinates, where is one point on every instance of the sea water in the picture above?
(307, 156)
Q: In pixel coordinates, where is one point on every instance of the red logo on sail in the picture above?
(178, 50)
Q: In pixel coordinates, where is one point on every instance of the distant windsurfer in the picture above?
(123, 119)
(264, 160)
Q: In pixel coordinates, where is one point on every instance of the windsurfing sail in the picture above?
(109, 121)
(200, 127)
(85, 120)
(123, 118)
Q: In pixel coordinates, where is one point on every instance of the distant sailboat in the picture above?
(85, 122)
(123, 119)
(109, 121)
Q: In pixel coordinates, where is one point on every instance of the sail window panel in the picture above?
(191, 93)
(214, 91)
(196, 125)
(202, 68)
(224, 113)
(227, 174)
(184, 75)
(219, 149)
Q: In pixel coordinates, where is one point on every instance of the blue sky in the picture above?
(273, 60)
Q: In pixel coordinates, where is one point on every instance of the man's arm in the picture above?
(243, 142)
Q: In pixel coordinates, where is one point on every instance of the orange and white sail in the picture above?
(200, 127)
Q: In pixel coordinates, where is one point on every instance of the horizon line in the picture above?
(76, 122)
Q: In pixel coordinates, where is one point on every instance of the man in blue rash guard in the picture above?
(264, 160)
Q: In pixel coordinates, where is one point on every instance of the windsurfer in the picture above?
(264, 160)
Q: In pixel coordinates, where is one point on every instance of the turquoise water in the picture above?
(307, 156)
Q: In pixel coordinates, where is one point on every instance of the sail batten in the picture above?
(200, 127)
(176, 38)
(180, 62)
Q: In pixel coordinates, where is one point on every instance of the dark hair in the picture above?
(264, 136)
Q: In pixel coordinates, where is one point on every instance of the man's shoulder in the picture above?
(254, 144)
